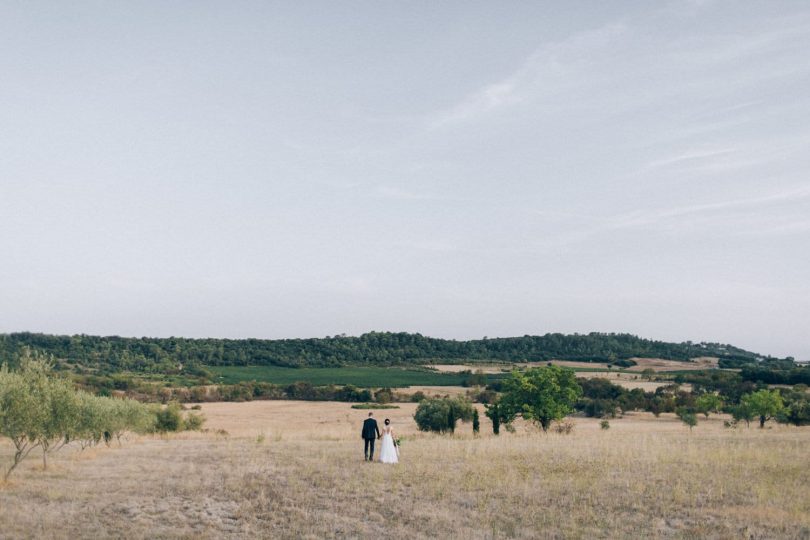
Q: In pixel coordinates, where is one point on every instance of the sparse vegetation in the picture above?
(308, 480)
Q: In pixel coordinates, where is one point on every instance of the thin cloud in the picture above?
(531, 75)
(637, 219)
(401, 194)
(690, 156)
(690, 213)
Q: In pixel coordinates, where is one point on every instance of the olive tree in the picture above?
(61, 418)
(41, 410)
(21, 416)
(92, 421)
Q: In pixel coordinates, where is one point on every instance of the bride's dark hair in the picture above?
(387, 421)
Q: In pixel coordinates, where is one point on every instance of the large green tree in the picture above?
(539, 395)
(764, 403)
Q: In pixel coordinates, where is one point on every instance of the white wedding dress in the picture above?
(388, 450)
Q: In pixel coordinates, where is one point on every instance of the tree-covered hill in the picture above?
(166, 355)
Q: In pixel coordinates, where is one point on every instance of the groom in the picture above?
(370, 433)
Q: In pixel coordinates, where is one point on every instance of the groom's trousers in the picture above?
(369, 450)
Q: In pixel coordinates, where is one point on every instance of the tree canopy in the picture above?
(441, 414)
(539, 395)
(764, 403)
(176, 355)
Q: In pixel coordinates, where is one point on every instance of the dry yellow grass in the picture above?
(305, 478)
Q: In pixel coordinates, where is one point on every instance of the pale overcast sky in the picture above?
(459, 169)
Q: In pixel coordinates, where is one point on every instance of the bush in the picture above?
(384, 395)
(797, 403)
(625, 363)
(193, 422)
(687, 416)
(599, 408)
(169, 418)
(564, 427)
(709, 403)
(604, 424)
(441, 414)
(474, 379)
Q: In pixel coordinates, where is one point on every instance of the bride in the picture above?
(389, 452)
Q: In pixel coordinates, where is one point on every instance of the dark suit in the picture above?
(370, 434)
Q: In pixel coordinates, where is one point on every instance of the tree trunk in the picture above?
(762, 422)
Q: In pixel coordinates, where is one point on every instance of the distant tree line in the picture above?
(712, 392)
(795, 375)
(189, 356)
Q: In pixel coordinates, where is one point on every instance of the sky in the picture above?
(458, 169)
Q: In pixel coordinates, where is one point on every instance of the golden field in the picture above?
(295, 470)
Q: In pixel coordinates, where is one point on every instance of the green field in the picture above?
(367, 377)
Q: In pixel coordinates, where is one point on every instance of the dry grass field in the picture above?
(295, 470)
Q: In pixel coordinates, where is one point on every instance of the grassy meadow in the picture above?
(288, 469)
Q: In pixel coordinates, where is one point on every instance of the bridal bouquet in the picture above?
(398, 442)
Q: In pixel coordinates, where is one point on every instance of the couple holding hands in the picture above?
(389, 451)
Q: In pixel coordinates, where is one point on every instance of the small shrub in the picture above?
(169, 418)
(384, 395)
(196, 407)
(688, 417)
(193, 422)
(604, 424)
(564, 427)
